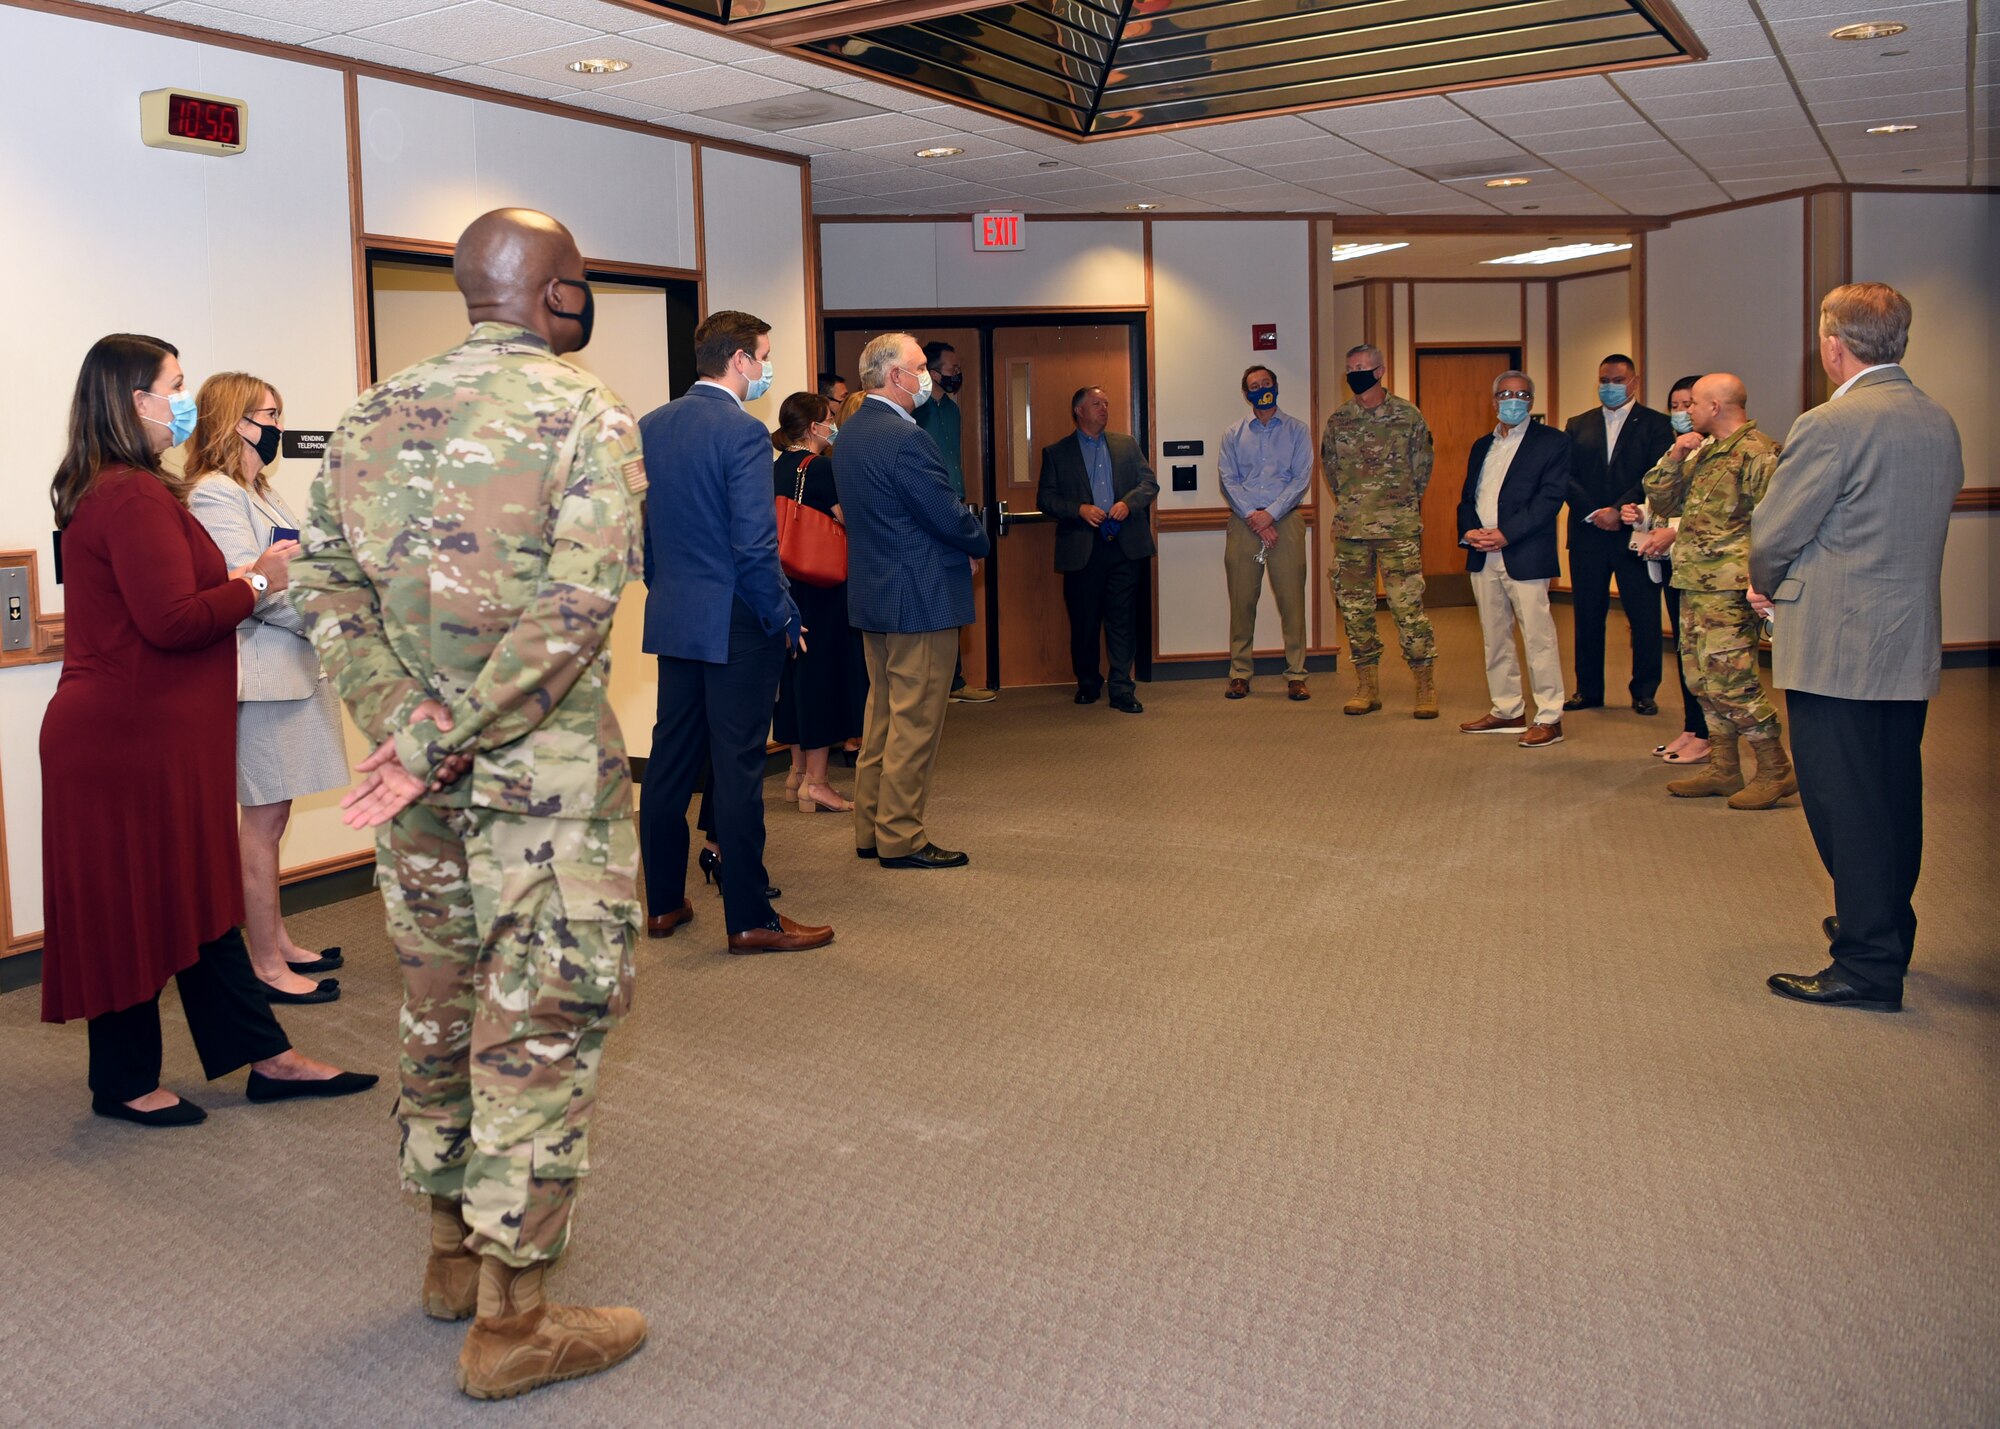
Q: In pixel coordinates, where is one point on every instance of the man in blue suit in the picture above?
(720, 617)
(910, 548)
(1516, 479)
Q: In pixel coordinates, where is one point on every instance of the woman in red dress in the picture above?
(140, 875)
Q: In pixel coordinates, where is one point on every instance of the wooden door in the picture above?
(1455, 392)
(1036, 370)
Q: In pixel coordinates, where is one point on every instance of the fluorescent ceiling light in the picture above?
(1892, 128)
(1563, 254)
(1341, 252)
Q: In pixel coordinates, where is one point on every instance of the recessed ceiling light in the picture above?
(599, 66)
(1510, 183)
(1341, 252)
(1562, 254)
(1141, 207)
(942, 151)
(1890, 128)
(1868, 30)
(1049, 164)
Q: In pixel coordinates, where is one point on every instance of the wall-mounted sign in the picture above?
(297, 443)
(194, 123)
(1263, 337)
(998, 232)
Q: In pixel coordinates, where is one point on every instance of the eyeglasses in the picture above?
(1515, 392)
(268, 416)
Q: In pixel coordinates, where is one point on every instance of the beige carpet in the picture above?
(1266, 1067)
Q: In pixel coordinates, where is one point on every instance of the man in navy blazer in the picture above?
(720, 617)
(1515, 482)
(910, 548)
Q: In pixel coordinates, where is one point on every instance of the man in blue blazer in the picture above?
(910, 548)
(720, 617)
(1515, 482)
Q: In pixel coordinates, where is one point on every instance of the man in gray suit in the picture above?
(1850, 546)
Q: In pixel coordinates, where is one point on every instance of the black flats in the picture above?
(329, 960)
(327, 991)
(181, 1113)
(277, 1089)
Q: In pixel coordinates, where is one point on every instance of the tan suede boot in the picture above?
(1367, 690)
(1427, 692)
(451, 1275)
(1775, 779)
(519, 1343)
(1722, 774)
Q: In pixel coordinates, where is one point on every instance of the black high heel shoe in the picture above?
(711, 870)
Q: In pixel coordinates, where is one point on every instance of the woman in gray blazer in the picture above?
(288, 734)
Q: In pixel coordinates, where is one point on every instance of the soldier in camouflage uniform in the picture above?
(1376, 454)
(1712, 478)
(474, 522)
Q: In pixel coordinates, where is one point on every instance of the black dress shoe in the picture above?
(1834, 988)
(277, 1089)
(327, 991)
(329, 960)
(864, 853)
(181, 1113)
(1645, 707)
(1125, 704)
(1578, 702)
(1830, 926)
(1086, 697)
(929, 856)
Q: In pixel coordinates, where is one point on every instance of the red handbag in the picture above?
(812, 546)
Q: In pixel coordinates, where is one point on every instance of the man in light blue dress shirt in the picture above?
(1266, 467)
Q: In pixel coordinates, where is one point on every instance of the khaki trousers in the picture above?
(1285, 566)
(1503, 603)
(909, 684)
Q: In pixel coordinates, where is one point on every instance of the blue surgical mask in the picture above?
(1513, 410)
(832, 431)
(760, 384)
(180, 409)
(1681, 421)
(1611, 394)
(1263, 399)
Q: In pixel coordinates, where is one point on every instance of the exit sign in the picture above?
(997, 232)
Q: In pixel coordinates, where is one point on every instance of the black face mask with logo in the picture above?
(587, 317)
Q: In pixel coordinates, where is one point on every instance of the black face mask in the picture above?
(952, 384)
(266, 445)
(587, 318)
(1359, 382)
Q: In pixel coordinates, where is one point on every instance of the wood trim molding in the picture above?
(701, 238)
(851, 314)
(1635, 300)
(1211, 518)
(319, 868)
(44, 627)
(1977, 498)
(1554, 359)
(357, 226)
(1356, 223)
(809, 254)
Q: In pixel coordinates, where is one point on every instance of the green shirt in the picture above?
(470, 531)
(1377, 464)
(1714, 492)
(942, 419)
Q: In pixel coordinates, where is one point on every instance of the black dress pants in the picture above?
(721, 715)
(1693, 720)
(1102, 599)
(1861, 780)
(228, 1016)
(1591, 567)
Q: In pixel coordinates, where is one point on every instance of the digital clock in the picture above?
(192, 122)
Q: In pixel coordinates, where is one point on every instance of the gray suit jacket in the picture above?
(1849, 542)
(274, 660)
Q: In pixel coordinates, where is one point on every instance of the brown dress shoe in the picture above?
(451, 1275)
(1542, 734)
(1237, 690)
(787, 937)
(1492, 724)
(663, 926)
(520, 1342)
(1296, 690)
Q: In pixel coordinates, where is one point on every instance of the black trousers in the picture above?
(721, 715)
(1591, 566)
(1102, 599)
(228, 1017)
(1692, 718)
(1861, 780)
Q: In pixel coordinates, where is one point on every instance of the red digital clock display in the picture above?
(205, 119)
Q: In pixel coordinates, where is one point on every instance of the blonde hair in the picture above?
(849, 405)
(1872, 321)
(216, 446)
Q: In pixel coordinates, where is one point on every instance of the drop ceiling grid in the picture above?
(1776, 105)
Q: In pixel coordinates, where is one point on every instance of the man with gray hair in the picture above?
(1848, 547)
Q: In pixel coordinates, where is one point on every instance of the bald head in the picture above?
(518, 265)
(1720, 404)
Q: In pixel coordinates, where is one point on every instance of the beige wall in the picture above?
(896, 267)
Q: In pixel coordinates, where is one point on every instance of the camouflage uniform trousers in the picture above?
(1719, 634)
(515, 938)
(1401, 560)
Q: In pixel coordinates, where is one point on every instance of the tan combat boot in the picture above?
(1775, 778)
(1427, 691)
(451, 1275)
(1367, 690)
(519, 1343)
(1723, 775)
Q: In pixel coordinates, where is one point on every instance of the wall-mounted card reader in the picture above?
(1184, 477)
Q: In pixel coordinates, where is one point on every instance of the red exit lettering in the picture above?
(999, 230)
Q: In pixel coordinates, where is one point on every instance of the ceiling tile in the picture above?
(1885, 82)
(1928, 107)
(1346, 167)
(1711, 77)
(1316, 149)
(1057, 181)
(512, 83)
(1173, 166)
(325, 16)
(951, 116)
(1610, 136)
(1585, 117)
(877, 129)
(598, 14)
(842, 165)
(1747, 100)
(476, 32)
(260, 28)
(1532, 98)
(1242, 133)
(900, 181)
(887, 96)
(389, 56)
(1732, 42)
(647, 62)
(989, 168)
(599, 102)
(702, 44)
(1392, 114)
(705, 89)
(796, 71)
(974, 146)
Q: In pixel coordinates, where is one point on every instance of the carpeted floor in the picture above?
(1265, 1067)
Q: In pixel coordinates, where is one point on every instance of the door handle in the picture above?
(1006, 520)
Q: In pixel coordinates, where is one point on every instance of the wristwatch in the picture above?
(258, 582)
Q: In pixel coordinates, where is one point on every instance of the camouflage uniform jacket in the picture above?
(470, 530)
(1377, 465)
(1714, 493)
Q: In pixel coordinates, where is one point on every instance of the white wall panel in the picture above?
(1971, 595)
(431, 163)
(888, 267)
(1468, 312)
(1064, 265)
(1194, 598)
(1593, 318)
(753, 231)
(1725, 293)
(1535, 346)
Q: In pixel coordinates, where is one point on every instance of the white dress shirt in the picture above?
(898, 410)
(1493, 475)
(711, 382)
(1614, 423)
(1841, 390)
